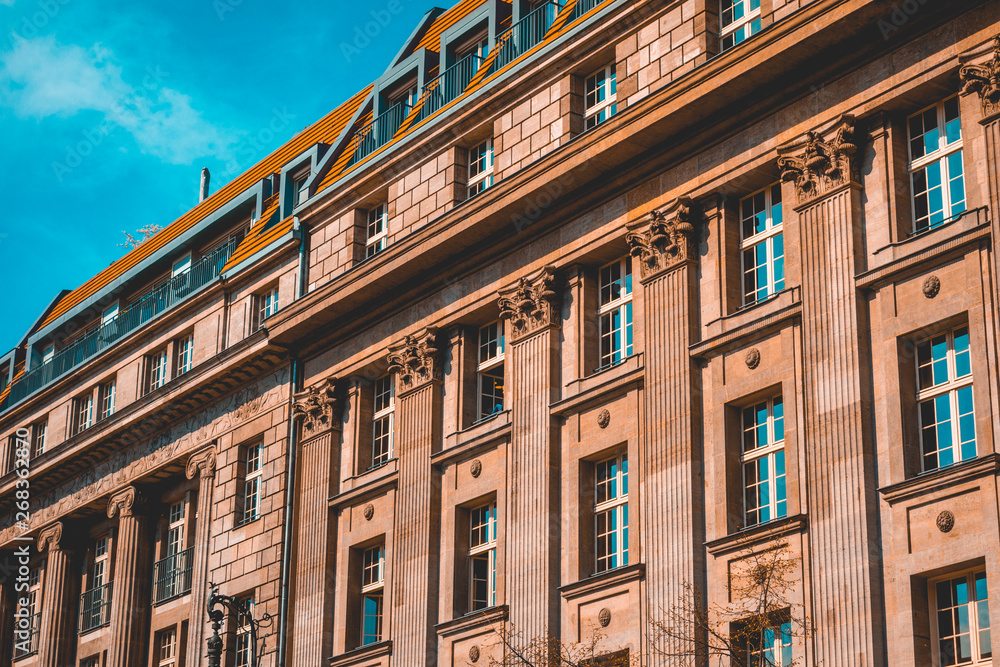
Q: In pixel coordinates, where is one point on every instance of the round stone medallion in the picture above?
(369, 512)
(473, 653)
(753, 358)
(945, 521)
(476, 468)
(604, 617)
(931, 287)
(603, 418)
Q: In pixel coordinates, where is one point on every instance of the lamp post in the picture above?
(243, 612)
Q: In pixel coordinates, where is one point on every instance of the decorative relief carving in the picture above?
(415, 361)
(604, 617)
(824, 160)
(753, 358)
(474, 653)
(945, 521)
(532, 304)
(665, 238)
(603, 418)
(368, 511)
(49, 538)
(319, 407)
(931, 286)
(476, 468)
(123, 502)
(984, 79)
(201, 463)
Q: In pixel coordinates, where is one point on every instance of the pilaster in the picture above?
(130, 597)
(416, 364)
(201, 465)
(57, 627)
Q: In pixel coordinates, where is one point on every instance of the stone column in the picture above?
(311, 619)
(844, 568)
(532, 525)
(202, 465)
(416, 531)
(55, 605)
(130, 595)
(671, 497)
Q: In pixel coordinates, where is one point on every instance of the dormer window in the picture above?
(110, 313)
(48, 353)
(299, 190)
(181, 265)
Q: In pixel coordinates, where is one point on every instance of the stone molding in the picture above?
(664, 239)
(531, 305)
(201, 463)
(415, 361)
(983, 77)
(319, 407)
(124, 502)
(824, 160)
(50, 536)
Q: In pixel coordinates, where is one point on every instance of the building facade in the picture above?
(548, 330)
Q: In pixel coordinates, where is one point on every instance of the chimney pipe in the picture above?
(203, 193)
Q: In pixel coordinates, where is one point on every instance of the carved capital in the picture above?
(983, 78)
(415, 360)
(124, 502)
(319, 407)
(664, 238)
(49, 538)
(824, 160)
(201, 463)
(532, 304)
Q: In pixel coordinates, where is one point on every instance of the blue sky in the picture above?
(109, 110)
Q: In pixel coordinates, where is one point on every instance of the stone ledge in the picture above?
(603, 581)
(475, 619)
(757, 534)
(477, 438)
(358, 655)
(786, 306)
(615, 379)
(366, 490)
(981, 466)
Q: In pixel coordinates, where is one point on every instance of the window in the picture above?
(740, 19)
(937, 180)
(83, 409)
(763, 460)
(615, 311)
(378, 231)
(372, 583)
(26, 637)
(185, 353)
(111, 312)
(962, 631)
(182, 265)
(480, 167)
(483, 557)
(611, 512)
(490, 369)
(944, 397)
(267, 305)
(91, 661)
(773, 649)
(299, 190)
(600, 95)
(106, 394)
(244, 649)
(156, 373)
(762, 245)
(38, 430)
(382, 421)
(407, 96)
(95, 603)
(167, 648)
(252, 480)
(48, 353)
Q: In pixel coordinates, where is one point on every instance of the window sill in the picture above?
(604, 580)
(362, 654)
(366, 485)
(614, 379)
(757, 534)
(479, 437)
(732, 330)
(473, 620)
(928, 482)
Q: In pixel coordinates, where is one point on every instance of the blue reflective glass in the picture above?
(779, 420)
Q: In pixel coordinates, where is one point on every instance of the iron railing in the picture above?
(582, 7)
(95, 608)
(449, 85)
(150, 305)
(524, 35)
(379, 131)
(172, 576)
(26, 637)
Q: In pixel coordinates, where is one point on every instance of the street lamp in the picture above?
(243, 612)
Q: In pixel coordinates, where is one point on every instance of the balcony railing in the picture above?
(582, 7)
(172, 576)
(446, 88)
(95, 608)
(379, 131)
(150, 305)
(524, 35)
(26, 637)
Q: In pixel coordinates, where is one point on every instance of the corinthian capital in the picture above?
(823, 160)
(531, 304)
(665, 238)
(124, 502)
(319, 407)
(415, 360)
(983, 77)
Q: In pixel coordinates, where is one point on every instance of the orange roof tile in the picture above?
(249, 245)
(254, 242)
(432, 38)
(17, 376)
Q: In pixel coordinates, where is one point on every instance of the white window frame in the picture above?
(244, 651)
(775, 509)
(622, 339)
(167, 648)
(101, 566)
(609, 86)
(84, 408)
(747, 20)
(615, 507)
(38, 434)
(157, 370)
(974, 625)
(106, 394)
(300, 192)
(774, 656)
(373, 584)
(768, 237)
(376, 230)
(951, 388)
(48, 353)
(485, 549)
(940, 155)
(383, 420)
(181, 265)
(253, 481)
(110, 313)
(490, 366)
(185, 354)
(266, 305)
(480, 178)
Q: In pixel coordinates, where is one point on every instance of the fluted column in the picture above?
(532, 526)
(201, 465)
(57, 625)
(311, 623)
(416, 530)
(671, 503)
(130, 596)
(845, 575)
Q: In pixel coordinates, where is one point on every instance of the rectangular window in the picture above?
(252, 481)
(762, 245)
(48, 353)
(740, 20)
(107, 399)
(28, 612)
(84, 412)
(267, 305)
(167, 648)
(157, 370)
(615, 311)
(382, 421)
(300, 192)
(378, 231)
(774, 648)
(483, 557)
(600, 97)
(944, 399)
(963, 620)
(480, 167)
(611, 512)
(937, 180)
(182, 265)
(38, 431)
(490, 369)
(372, 584)
(95, 603)
(185, 353)
(763, 460)
(244, 648)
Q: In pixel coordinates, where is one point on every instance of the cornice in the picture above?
(477, 619)
(766, 323)
(608, 383)
(477, 438)
(757, 535)
(363, 654)
(366, 490)
(940, 479)
(603, 581)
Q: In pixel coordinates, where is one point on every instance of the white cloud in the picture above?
(40, 78)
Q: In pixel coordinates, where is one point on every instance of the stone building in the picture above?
(388, 383)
